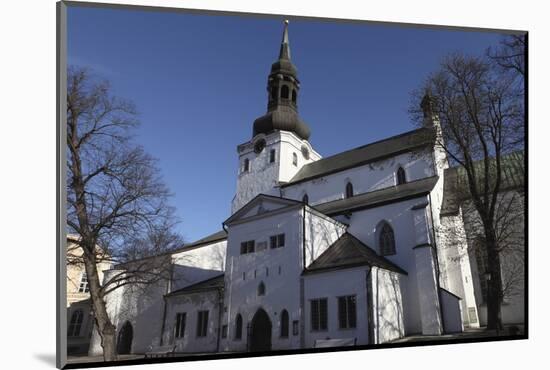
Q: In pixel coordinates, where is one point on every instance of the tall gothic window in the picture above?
(246, 165)
(239, 327)
(261, 288)
(294, 159)
(75, 324)
(284, 92)
(273, 93)
(401, 177)
(305, 199)
(294, 96)
(386, 240)
(272, 156)
(284, 324)
(349, 190)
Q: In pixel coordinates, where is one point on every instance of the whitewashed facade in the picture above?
(351, 249)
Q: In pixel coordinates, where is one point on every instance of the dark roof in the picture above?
(365, 154)
(455, 180)
(216, 237)
(380, 197)
(216, 282)
(347, 252)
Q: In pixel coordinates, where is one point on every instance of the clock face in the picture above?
(259, 146)
(305, 152)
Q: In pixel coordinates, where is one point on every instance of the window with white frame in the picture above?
(83, 287)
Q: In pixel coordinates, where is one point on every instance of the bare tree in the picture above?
(510, 55)
(116, 197)
(479, 114)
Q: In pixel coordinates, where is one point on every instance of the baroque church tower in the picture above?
(279, 146)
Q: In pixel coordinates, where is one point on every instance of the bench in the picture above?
(161, 351)
(340, 342)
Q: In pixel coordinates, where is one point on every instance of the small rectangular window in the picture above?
(224, 331)
(202, 323)
(319, 314)
(347, 312)
(179, 330)
(272, 156)
(277, 241)
(84, 288)
(247, 247)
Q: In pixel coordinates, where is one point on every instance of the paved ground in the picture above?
(467, 334)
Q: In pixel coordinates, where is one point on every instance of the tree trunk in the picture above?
(494, 289)
(104, 326)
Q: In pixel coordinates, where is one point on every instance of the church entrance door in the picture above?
(260, 336)
(124, 340)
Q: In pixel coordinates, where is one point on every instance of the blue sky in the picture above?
(199, 81)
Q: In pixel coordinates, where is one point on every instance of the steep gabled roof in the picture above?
(380, 197)
(365, 154)
(216, 282)
(348, 252)
(455, 181)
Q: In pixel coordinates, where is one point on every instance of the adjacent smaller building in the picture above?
(79, 308)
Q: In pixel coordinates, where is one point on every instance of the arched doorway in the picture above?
(260, 332)
(124, 341)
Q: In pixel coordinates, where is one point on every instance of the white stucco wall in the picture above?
(512, 258)
(191, 304)
(321, 232)
(365, 224)
(388, 318)
(279, 269)
(143, 306)
(452, 312)
(366, 178)
(331, 285)
(198, 264)
(264, 177)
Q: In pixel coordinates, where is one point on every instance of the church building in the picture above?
(344, 250)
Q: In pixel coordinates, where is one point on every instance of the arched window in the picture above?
(75, 324)
(349, 190)
(284, 324)
(273, 93)
(261, 288)
(386, 240)
(294, 159)
(246, 165)
(294, 96)
(401, 177)
(239, 327)
(305, 199)
(284, 92)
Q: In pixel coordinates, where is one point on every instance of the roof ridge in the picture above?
(374, 142)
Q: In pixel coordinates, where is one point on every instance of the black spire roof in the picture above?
(282, 86)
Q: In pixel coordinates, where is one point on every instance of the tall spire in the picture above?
(285, 47)
(282, 105)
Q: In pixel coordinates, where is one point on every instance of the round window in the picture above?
(305, 152)
(259, 146)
